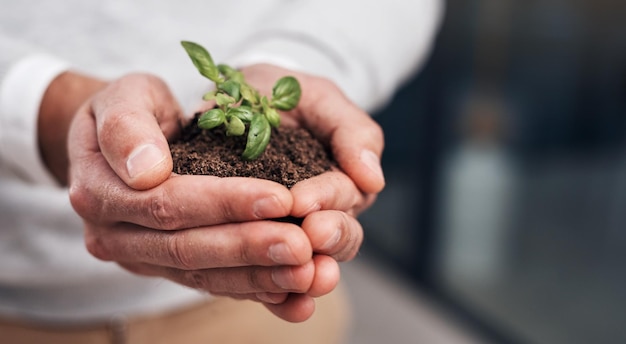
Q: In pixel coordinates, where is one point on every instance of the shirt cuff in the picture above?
(21, 93)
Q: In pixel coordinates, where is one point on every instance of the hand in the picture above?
(355, 139)
(330, 202)
(184, 228)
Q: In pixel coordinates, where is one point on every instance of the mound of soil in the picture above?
(292, 155)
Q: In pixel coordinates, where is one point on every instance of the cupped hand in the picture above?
(205, 232)
(355, 139)
(330, 202)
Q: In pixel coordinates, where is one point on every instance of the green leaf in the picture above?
(246, 103)
(223, 99)
(202, 60)
(226, 70)
(286, 93)
(235, 127)
(231, 87)
(273, 117)
(211, 119)
(209, 95)
(230, 73)
(258, 138)
(248, 93)
(265, 104)
(243, 112)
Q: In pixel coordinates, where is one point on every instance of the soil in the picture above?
(292, 155)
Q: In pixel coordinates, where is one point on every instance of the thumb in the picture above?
(356, 140)
(134, 115)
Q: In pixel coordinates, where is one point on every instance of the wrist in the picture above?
(65, 94)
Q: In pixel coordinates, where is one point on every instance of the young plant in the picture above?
(239, 104)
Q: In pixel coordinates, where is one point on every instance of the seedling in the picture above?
(239, 105)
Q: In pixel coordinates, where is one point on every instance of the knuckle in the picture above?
(255, 280)
(325, 84)
(352, 238)
(195, 279)
(142, 78)
(134, 268)
(163, 210)
(370, 134)
(357, 200)
(177, 251)
(226, 208)
(112, 121)
(350, 253)
(245, 256)
(320, 87)
(83, 202)
(96, 247)
(375, 132)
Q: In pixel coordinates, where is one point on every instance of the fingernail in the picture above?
(267, 208)
(371, 160)
(143, 158)
(283, 278)
(271, 298)
(281, 254)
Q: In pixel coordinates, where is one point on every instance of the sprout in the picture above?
(239, 104)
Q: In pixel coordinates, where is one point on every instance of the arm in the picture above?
(116, 121)
(328, 203)
(139, 216)
(167, 233)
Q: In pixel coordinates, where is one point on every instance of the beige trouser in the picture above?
(221, 321)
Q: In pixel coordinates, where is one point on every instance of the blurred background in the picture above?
(505, 207)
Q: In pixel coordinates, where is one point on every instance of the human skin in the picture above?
(186, 228)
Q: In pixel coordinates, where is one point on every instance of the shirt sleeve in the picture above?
(367, 47)
(24, 78)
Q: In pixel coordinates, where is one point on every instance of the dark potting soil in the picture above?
(292, 155)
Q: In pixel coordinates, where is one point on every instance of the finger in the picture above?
(133, 115)
(334, 233)
(326, 276)
(241, 280)
(297, 308)
(180, 202)
(271, 298)
(264, 297)
(232, 245)
(356, 140)
(188, 201)
(329, 190)
(98, 195)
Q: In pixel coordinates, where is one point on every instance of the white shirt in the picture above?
(367, 47)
